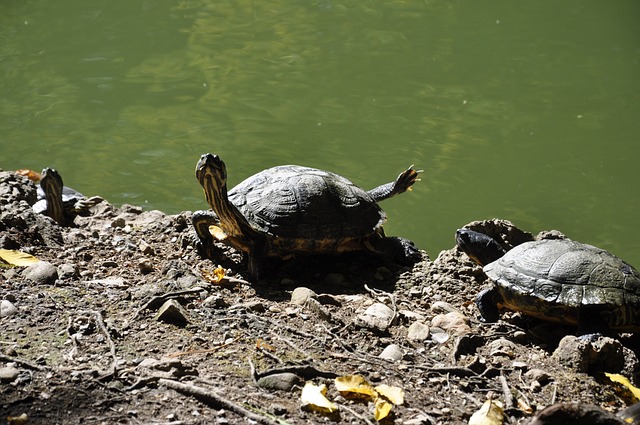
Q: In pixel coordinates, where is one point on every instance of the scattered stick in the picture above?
(508, 395)
(215, 400)
(112, 346)
(24, 363)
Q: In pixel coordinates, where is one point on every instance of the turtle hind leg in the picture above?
(400, 250)
(403, 183)
(487, 302)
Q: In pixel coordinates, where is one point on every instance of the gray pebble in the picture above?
(280, 381)
(391, 352)
(41, 272)
(7, 308)
(418, 332)
(172, 312)
(378, 316)
(301, 295)
(67, 271)
(8, 374)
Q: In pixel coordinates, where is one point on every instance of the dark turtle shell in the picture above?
(306, 209)
(568, 282)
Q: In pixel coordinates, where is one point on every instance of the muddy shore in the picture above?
(122, 322)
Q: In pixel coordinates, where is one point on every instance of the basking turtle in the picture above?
(59, 202)
(557, 280)
(290, 209)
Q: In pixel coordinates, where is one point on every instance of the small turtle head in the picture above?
(212, 175)
(481, 248)
(50, 178)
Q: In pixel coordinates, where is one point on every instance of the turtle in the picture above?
(556, 280)
(291, 209)
(60, 202)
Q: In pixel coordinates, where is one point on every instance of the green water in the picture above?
(522, 110)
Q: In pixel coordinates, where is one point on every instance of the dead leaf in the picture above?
(313, 397)
(394, 394)
(355, 386)
(382, 410)
(17, 258)
(214, 276)
(623, 380)
(489, 414)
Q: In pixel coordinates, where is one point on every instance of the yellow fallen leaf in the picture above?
(17, 258)
(394, 394)
(615, 377)
(489, 414)
(382, 409)
(313, 397)
(355, 386)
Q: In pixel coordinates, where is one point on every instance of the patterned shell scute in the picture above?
(552, 276)
(295, 202)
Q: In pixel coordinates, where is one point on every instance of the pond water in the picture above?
(528, 111)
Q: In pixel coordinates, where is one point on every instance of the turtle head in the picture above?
(481, 248)
(51, 184)
(212, 175)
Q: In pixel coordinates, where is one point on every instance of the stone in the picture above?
(172, 312)
(41, 273)
(67, 271)
(7, 308)
(443, 307)
(8, 374)
(418, 332)
(301, 295)
(453, 322)
(280, 381)
(377, 317)
(590, 353)
(145, 266)
(538, 375)
(392, 352)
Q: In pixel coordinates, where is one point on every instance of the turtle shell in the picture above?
(568, 282)
(306, 209)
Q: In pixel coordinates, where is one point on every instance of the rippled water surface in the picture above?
(526, 111)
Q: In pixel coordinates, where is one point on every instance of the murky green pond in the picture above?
(528, 111)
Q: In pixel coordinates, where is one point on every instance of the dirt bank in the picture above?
(122, 322)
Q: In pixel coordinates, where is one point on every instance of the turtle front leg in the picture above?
(487, 302)
(201, 221)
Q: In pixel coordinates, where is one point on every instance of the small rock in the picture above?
(538, 375)
(7, 308)
(301, 295)
(391, 352)
(502, 347)
(145, 265)
(280, 381)
(41, 272)
(8, 374)
(439, 335)
(255, 306)
(172, 312)
(67, 271)
(443, 307)
(590, 353)
(145, 248)
(418, 332)
(453, 322)
(378, 317)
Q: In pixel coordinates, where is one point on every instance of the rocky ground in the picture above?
(123, 323)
